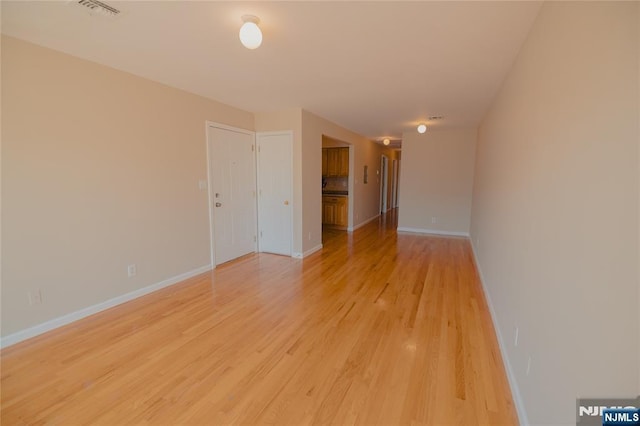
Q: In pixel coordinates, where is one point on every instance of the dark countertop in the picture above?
(335, 192)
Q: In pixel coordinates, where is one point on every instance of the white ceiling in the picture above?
(377, 68)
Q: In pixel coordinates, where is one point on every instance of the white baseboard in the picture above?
(432, 232)
(30, 332)
(309, 252)
(515, 391)
(361, 224)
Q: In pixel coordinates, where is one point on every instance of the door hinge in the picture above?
(253, 148)
(254, 238)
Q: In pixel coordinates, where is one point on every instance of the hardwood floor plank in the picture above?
(377, 328)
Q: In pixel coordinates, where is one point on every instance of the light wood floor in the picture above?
(378, 328)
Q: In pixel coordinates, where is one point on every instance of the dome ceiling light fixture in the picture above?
(422, 128)
(250, 34)
(386, 141)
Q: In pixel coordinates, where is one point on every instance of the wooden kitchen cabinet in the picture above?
(332, 162)
(329, 211)
(324, 161)
(335, 211)
(343, 161)
(342, 212)
(335, 162)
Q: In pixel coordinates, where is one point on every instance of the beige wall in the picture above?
(327, 142)
(100, 169)
(437, 181)
(555, 208)
(366, 197)
(289, 120)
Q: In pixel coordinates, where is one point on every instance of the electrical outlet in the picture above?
(35, 297)
(515, 340)
(434, 219)
(132, 270)
(309, 236)
(529, 365)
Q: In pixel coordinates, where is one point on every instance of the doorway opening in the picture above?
(337, 184)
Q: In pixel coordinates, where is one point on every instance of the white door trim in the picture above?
(213, 124)
(384, 176)
(351, 197)
(275, 133)
(394, 184)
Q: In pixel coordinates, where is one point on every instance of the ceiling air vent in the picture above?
(95, 7)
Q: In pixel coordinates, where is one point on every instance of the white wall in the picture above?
(437, 181)
(555, 208)
(100, 170)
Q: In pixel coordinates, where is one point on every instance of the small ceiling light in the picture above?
(386, 141)
(250, 34)
(422, 128)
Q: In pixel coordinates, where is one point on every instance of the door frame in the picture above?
(398, 184)
(384, 177)
(351, 185)
(258, 206)
(394, 183)
(213, 124)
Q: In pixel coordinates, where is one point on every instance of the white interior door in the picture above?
(232, 178)
(275, 191)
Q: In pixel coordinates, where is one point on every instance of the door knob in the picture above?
(218, 204)
(286, 202)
